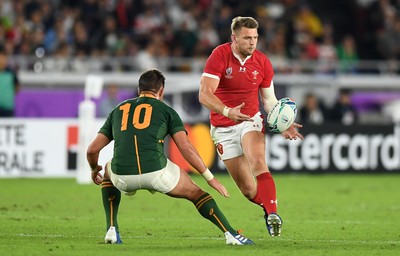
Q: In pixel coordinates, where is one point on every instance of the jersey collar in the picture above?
(147, 95)
(240, 60)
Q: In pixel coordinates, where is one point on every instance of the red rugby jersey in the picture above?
(239, 81)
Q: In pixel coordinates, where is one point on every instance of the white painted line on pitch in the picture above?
(125, 236)
(339, 222)
(333, 241)
(340, 241)
(45, 217)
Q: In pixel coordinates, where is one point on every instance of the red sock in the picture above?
(266, 193)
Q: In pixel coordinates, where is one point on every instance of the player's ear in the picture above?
(233, 38)
(161, 93)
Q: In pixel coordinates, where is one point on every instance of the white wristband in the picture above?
(225, 112)
(207, 175)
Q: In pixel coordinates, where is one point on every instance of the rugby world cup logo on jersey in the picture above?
(228, 73)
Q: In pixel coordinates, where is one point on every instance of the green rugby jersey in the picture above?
(138, 127)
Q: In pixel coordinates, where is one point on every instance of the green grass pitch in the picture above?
(323, 215)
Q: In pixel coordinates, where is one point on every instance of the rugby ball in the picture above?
(282, 115)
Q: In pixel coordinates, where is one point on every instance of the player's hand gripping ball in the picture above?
(282, 115)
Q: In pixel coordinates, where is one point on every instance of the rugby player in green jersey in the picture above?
(138, 127)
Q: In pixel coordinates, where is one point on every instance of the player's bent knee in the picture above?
(248, 191)
(196, 194)
(249, 195)
(192, 191)
(258, 165)
(188, 192)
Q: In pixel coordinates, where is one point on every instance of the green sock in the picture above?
(208, 208)
(111, 199)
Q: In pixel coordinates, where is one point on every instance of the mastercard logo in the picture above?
(199, 135)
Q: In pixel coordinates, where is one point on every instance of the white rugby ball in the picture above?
(282, 115)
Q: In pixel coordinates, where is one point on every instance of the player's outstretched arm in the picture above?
(292, 132)
(206, 94)
(209, 100)
(268, 97)
(191, 155)
(215, 184)
(236, 115)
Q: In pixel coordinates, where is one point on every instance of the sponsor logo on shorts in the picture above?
(220, 148)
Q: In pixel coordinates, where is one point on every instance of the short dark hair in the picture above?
(240, 22)
(151, 80)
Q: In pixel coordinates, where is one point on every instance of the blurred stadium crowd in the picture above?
(299, 36)
(161, 33)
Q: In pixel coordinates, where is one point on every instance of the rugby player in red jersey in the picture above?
(235, 74)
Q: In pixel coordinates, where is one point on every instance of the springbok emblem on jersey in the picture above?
(255, 73)
(228, 73)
